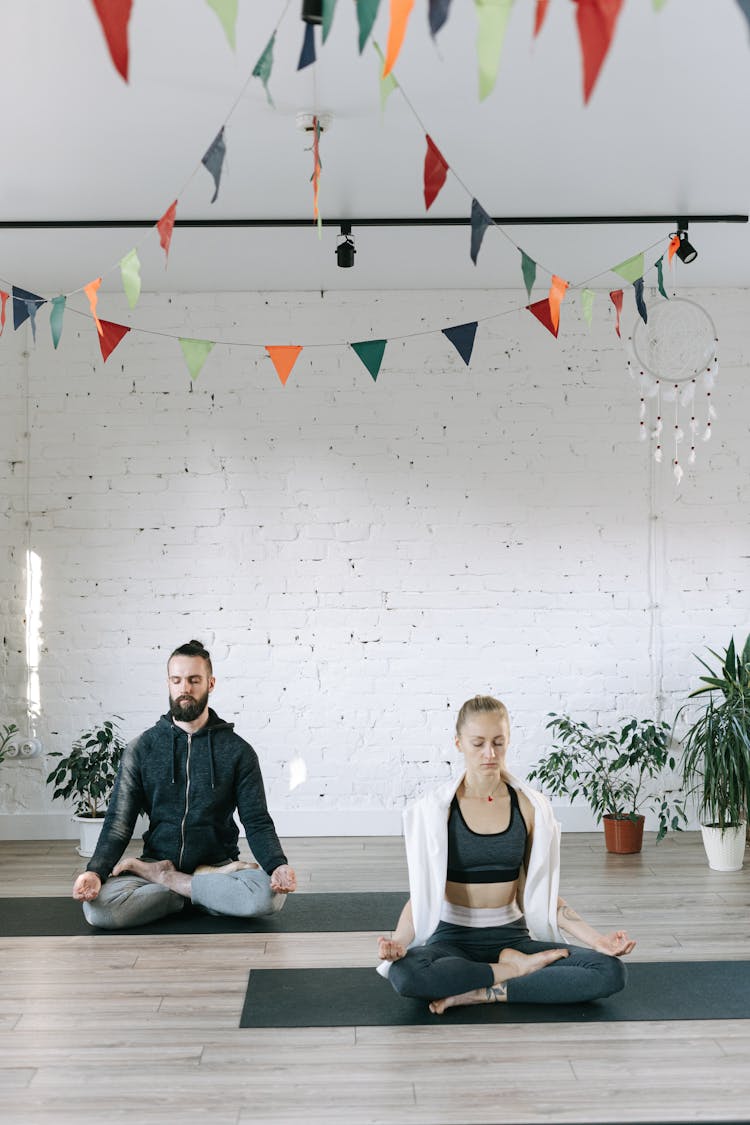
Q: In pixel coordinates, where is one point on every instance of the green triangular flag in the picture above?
(371, 354)
(659, 4)
(528, 268)
(226, 10)
(56, 319)
(631, 269)
(196, 353)
(328, 9)
(493, 20)
(387, 84)
(130, 271)
(264, 66)
(587, 305)
(660, 276)
(367, 10)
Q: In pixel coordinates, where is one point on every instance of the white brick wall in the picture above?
(359, 557)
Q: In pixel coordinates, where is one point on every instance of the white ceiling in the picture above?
(665, 132)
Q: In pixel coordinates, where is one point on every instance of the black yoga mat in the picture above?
(302, 913)
(656, 990)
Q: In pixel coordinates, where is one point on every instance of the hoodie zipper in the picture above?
(187, 800)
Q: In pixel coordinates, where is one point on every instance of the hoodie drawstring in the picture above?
(211, 760)
(174, 753)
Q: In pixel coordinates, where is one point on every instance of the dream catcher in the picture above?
(674, 360)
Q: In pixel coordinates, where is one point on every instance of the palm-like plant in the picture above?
(716, 748)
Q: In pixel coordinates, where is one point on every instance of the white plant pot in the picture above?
(725, 850)
(89, 828)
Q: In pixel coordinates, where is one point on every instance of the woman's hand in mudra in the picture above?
(390, 950)
(616, 944)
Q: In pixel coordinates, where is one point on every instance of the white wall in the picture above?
(358, 557)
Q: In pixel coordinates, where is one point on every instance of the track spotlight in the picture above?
(312, 11)
(686, 252)
(345, 249)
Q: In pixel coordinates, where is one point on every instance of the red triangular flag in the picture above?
(114, 16)
(110, 337)
(540, 16)
(616, 298)
(3, 297)
(435, 171)
(165, 227)
(283, 357)
(543, 313)
(596, 28)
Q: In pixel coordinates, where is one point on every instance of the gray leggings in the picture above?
(457, 959)
(128, 900)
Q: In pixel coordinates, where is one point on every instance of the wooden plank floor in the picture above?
(144, 1029)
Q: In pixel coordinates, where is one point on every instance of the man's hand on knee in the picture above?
(283, 880)
(87, 886)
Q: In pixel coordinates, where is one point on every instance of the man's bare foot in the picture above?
(233, 865)
(510, 964)
(162, 871)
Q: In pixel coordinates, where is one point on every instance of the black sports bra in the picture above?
(485, 857)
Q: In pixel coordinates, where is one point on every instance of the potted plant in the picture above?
(87, 776)
(716, 757)
(618, 772)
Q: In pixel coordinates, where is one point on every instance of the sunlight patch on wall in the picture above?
(33, 637)
(297, 773)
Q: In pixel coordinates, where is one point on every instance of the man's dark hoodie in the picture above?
(189, 787)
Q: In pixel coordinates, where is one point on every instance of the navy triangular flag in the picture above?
(462, 338)
(24, 303)
(213, 159)
(307, 54)
(640, 304)
(480, 220)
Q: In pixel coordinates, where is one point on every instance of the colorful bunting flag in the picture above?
(114, 16)
(640, 304)
(92, 292)
(387, 84)
(462, 338)
(540, 15)
(196, 352)
(371, 354)
(438, 14)
(660, 276)
(3, 298)
(130, 272)
(307, 54)
(528, 269)
(283, 357)
(367, 10)
(596, 28)
(542, 311)
(213, 160)
(264, 66)
(659, 4)
(674, 246)
(556, 295)
(400, 12)
(587, 305)
(56, 319)
(480, 220)
(631, 268)
(493, 21)
(435, 172)
(23, 303)
(110, 337)
(226, 10)
(744, 5)
(165, 226)
(329, 7)
(616, 298)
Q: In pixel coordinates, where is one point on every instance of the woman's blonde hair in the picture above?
(480, 705)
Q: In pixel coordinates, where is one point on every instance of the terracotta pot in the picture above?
(623, 836)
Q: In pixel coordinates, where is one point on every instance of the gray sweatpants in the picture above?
(128, 900)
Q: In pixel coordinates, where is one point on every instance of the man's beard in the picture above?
(186, 709)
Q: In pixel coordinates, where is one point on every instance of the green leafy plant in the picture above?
(88, 773)
(616, 771)
(716, 748)
(9, 729)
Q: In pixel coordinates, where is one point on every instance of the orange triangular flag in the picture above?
(110, 337)
(543, 313)
(674, 245)
(91, 290)
(616, 299)
(400, 12)
(556, 294)
(283, 357)
(165, 227)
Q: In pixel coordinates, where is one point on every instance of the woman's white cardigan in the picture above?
(426, 839)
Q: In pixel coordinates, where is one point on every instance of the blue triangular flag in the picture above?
(23, 303)
(438, 14)
(462, 338)
(480, 220)
(213, 159)
(640, 304)
(745, 6)
(307, 54)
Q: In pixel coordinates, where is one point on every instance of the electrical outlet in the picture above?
(21, 747)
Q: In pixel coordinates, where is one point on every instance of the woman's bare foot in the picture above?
(494, 994)
(162, 871)
(510, 964)
(525, 963)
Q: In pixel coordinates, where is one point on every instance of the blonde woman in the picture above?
(483, 922)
